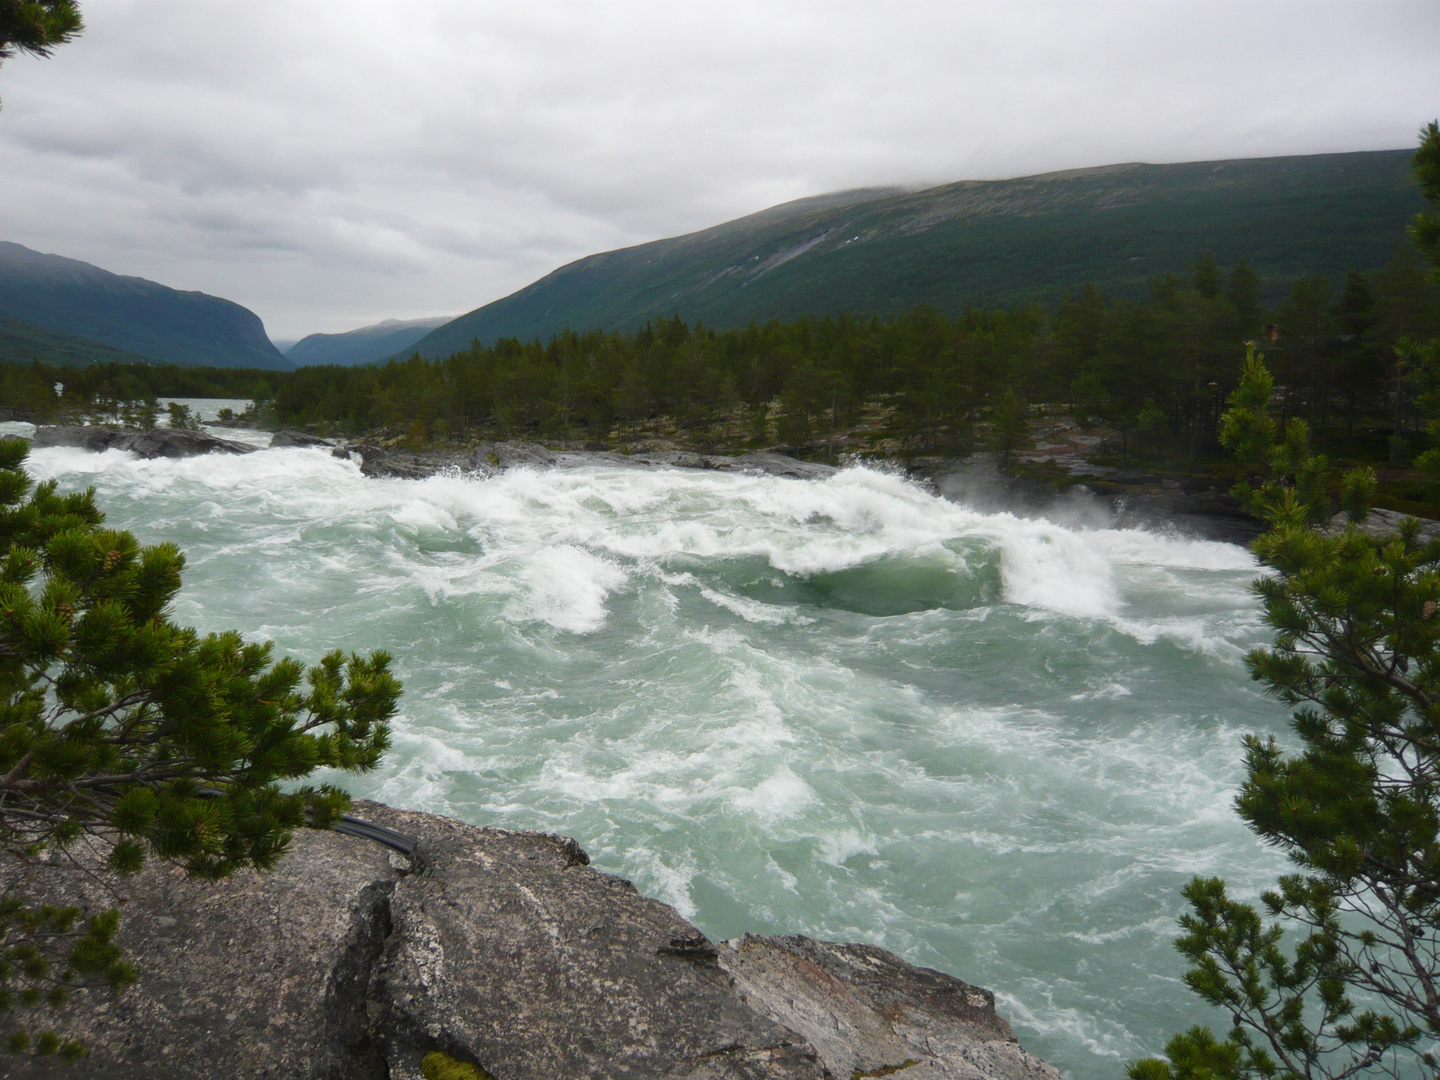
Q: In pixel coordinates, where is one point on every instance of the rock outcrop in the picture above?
(493, 457)
(503, 949)
(290, 437)
(1384, 523)
(159, 442)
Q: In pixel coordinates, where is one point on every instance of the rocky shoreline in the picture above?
(1111, 498)
(503, 949)
(1196, 506)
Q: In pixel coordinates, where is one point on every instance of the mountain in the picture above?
(22, 342)
(884, 250)
(130, 313)
(363, 346)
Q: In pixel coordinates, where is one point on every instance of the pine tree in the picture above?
(1207, 281)
(1243, 292)
(1357, 807)
(118, 724)
(37, 26)
(1425, 228)
(1009, 426)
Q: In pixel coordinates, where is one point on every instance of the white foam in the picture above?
(566, 587)
(781, 795)
(752, 610)
(1049, 567)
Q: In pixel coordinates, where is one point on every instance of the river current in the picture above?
(998, 746)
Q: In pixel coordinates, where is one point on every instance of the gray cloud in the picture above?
(332, 162)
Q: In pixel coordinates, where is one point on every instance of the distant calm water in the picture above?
(996, 746)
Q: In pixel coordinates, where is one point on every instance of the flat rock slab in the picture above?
(161, 442)
(503, 949)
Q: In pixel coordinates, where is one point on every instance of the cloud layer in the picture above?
(329, 163)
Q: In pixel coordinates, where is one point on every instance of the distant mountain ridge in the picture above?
(366, 345)
(141, 317)
(879, 251)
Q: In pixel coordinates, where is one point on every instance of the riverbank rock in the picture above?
(289, 437)
(503, 949)
(160, 442)
(1384, 523)
(488, 458)
(1108, 498)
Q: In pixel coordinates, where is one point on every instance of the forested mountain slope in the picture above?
(22, 343)
(882, 251)
(130, 313)
(363, 346)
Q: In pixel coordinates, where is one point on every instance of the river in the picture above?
(998, 746)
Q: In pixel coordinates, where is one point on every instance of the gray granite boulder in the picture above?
(869, 1013)
(261, 975)
(514, 954)
(288, 437)
(503, 949)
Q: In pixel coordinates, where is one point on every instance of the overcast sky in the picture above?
(330, 163)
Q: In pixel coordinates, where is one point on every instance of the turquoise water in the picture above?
(997, 746)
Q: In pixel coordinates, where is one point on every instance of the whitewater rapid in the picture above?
(996, 745)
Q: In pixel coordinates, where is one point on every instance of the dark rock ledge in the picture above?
(160, 442)
(504, 949)
(493, 457)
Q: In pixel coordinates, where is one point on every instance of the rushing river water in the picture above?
(997, 746)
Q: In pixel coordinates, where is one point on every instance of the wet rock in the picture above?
(160, 442)
(377, 461)
(1109, 498)
(515, 955)
(492, 457)
(504, 949)
(511, 455)
(297, 438)
(868, 1013)
(766, 464)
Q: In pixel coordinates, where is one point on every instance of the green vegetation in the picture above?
(116, 723)
(37, 26)
(440, 1066)
(104, 389)
(1355, 802)
(976, 244)
(24, 343)
(1155, 372)
(1357, 808)
(1152, 375)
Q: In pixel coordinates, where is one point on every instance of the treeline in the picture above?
(49, 391)
(1157, 370)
